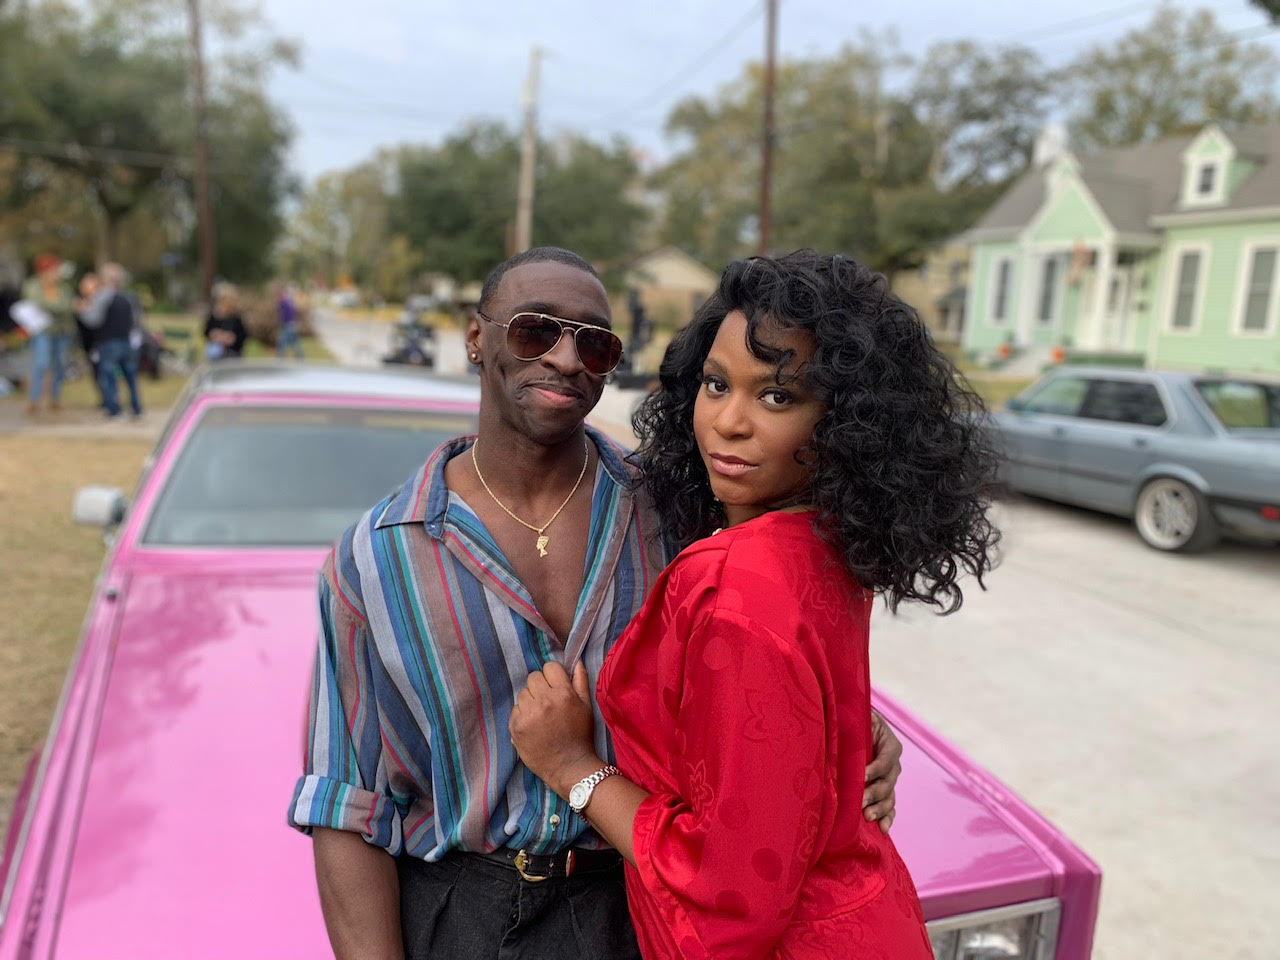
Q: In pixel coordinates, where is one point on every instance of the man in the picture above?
(288, 337)
(435, 607)
(111, 317)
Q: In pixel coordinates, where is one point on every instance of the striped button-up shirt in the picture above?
(426, 637)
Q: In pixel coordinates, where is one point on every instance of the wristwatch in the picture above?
(580, 794)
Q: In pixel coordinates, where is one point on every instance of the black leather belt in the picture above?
(536, 867)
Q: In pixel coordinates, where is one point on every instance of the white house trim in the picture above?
(1215, 216)
(1056, 296)
(1065, 170)
(1009, 311)
(1219, 156)
(1171, 288)
(1247, 250)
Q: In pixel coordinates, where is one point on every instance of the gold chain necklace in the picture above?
(543, 539)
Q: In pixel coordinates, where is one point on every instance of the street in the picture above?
(1132, 697)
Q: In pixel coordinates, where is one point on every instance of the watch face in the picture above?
(579, 796)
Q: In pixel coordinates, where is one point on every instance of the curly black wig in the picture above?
(903, 471)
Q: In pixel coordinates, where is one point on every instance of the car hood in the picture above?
(961, 833)
(183, 849)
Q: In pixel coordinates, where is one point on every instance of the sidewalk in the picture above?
(78, 422)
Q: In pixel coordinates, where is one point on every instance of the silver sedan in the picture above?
(1186, 456)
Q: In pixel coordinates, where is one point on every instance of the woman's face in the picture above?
(749, 427)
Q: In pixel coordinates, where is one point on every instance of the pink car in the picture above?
(152, 825)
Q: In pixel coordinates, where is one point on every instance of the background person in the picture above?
(110, 315)
(51, 347)
(224, 329)
(288, 336)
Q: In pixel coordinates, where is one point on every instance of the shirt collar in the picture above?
(425, 498)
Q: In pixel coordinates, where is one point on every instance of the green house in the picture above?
(1168, 254)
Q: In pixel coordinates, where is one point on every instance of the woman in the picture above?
(809, 448)
(224, 329)
(51, 347)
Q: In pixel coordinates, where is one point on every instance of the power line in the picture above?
(1081, 23)
(683, 75)
(76, 151)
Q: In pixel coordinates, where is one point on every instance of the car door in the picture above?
(1119, 432)
(1034, 432)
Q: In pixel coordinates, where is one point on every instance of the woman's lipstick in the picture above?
(730, 466)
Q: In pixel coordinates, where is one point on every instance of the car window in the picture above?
(1124, 401)
(1242, 404)
(290, 476)
(1061, 395)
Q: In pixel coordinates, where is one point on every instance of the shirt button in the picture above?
(555, 819)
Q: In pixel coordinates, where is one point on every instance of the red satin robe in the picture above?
(739, 697)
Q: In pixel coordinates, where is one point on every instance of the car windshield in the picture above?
(1242, 404)
(290, 476)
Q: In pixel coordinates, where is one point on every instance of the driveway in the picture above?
(1134, 699)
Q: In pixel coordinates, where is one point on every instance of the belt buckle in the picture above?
(522, 861)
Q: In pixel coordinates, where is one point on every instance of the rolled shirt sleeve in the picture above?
(725, 856)
(344, 784)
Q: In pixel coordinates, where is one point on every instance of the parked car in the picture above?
(153, 823)
(1185, 456)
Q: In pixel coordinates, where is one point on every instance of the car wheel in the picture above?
(1174, 516)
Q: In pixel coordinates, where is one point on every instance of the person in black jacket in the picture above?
(224, 329)
(106, 312)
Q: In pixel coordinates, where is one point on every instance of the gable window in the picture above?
(1000, 300)
(1206, 180)
(1048, 289)
(1184, 293)
(1257, 292)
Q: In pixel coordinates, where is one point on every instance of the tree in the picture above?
(1272, 7)
(854, 165)
(100, 107)
(1175, 74)
(984, 107)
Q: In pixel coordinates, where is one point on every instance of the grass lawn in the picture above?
(48, 564)
(996, 391)
(47, 568)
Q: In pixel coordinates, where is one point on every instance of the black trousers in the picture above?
(468, 908)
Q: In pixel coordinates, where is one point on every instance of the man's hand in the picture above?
(552, 725)
(879, 798)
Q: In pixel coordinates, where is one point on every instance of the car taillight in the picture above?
(1270, 513)
(1023, 931)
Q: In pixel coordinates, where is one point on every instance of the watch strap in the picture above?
(590, 783)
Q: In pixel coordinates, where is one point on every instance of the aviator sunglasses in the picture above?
(531, 336)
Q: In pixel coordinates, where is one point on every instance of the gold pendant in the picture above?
(543, 540)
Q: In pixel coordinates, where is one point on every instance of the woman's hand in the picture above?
(552, 726)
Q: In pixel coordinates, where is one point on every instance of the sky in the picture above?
(383, 72)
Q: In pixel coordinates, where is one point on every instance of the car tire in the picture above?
(1172, 516)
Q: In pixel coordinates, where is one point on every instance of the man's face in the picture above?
(547, 399)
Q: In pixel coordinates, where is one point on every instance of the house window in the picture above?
(1184, 296)
(1000, 304)
(1257, 293)
(1048, 288)
(1205, 182)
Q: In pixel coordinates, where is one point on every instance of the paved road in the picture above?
(1134, 699)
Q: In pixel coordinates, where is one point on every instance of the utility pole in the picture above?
(766, 142)
(528, 156)
(204, 212)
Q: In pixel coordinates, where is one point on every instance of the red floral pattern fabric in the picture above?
(739, 697)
